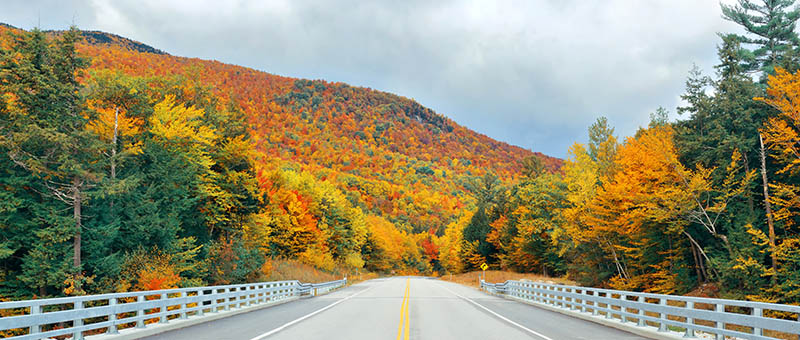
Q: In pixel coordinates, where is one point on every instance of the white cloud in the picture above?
(533, 73)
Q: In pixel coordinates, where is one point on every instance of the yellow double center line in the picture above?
(402, 329)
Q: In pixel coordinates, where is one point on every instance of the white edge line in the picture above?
(290, 323)
(496, 315)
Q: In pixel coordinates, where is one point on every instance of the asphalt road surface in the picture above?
(400, 308)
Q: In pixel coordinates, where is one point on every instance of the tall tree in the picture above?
(46, 134)
(770, 25)
(603, 147)
(488, 191)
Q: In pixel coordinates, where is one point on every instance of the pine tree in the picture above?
(770, 25)
(46, 131)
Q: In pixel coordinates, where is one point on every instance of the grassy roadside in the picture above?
(495, 276)
(281, 270)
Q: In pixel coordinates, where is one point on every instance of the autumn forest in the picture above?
(125, 168)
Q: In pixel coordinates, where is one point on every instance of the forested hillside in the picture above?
(127, 168)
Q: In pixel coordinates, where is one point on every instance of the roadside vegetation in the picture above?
(496, 276)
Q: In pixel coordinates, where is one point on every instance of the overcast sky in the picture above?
(533, 73)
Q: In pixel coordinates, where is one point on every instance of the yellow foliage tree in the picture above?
(782, 136)
(451, 242)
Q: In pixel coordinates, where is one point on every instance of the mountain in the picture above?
(393, 156)
(212, 170)
(107, 39)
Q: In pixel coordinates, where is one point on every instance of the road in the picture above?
(400, 308)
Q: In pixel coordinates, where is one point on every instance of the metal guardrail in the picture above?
(734, 318)
(109, 313)
(315, 289)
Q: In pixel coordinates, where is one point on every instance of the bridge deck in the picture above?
(373, 310)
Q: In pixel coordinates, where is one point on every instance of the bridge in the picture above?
(400, 308)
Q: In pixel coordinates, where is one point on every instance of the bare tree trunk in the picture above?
(703, 256)
(768, 206)
(750, 203)
(76, 212)
(696, 264)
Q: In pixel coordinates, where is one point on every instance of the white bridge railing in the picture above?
(733, 318)
(109, 313)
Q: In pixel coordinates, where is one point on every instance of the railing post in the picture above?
(689, 321)
(622, 309)
(642, 303)
(594, 302)
(227, 305)
(546, 295)
(200, 301)
(571, 299)
(270, 292)
(78, 334)
(37, 328)
(609, 310)
(583, 299)
(215, 300)
(163, 309)
(184, 305)
(560, 296)
(720, 308)
(112, 316)
(757, 312)
(662, 326)
(538, 294)
(140, 312)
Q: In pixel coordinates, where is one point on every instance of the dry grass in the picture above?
(496, 276)
(295, 270)
(353, 279)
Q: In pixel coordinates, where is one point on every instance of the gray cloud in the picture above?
(531, 73)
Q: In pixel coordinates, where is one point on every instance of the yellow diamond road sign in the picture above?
(484, 266)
